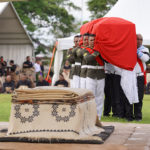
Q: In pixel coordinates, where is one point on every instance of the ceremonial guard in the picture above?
(78, 60)
(71, 58)
(95, 75)
(80, 54)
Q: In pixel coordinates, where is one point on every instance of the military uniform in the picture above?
(83, 72)
(71, 59)
(95, 79)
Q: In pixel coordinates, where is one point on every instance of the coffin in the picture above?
(53, 115)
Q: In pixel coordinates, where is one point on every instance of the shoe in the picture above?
(98, 122)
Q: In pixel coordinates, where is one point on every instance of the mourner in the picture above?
(41, 81)
(24, 81)
(28, 68)
(140, 68)
(109, 103)
(27, 63)
(8, 85)
(61, 82)
(37, 67)
(3, 62)
(12, 69)
(2, 71)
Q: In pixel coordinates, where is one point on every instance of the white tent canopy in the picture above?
(15, 43)
(136, 11)
(63, 44)
(2, 6)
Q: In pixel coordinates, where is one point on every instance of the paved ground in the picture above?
(132, 136)
(126, 136)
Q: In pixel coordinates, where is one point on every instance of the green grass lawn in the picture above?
(5, 101)
(5, 105)
(145, 111)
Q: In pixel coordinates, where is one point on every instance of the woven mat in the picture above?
(108, 130)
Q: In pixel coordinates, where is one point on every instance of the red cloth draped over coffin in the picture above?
(116, 41)
(87, 28)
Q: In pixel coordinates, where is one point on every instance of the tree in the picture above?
(51, 14)
(99, 8)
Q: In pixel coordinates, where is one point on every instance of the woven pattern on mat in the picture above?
(60, 121)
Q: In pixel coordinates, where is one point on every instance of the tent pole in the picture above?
(82, 12)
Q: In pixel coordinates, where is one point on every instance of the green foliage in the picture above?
(40, 49)
(47, 13)
(99, 8)
(84, 22)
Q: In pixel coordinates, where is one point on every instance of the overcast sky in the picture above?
(47, 38)
(78, 14)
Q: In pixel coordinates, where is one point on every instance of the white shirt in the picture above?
(109, 68)
(144, 58)
(37, 67)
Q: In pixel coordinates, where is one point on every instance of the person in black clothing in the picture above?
(24, 81)
(2, 74)
(27, 63)
(108, 89)
(2, 71)
(147, 88)
(13, 72)
(4, 63)
(67, 65)
(42, 68)
(12, 66)
(61, 82)
(9, 85)
(41, 81)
